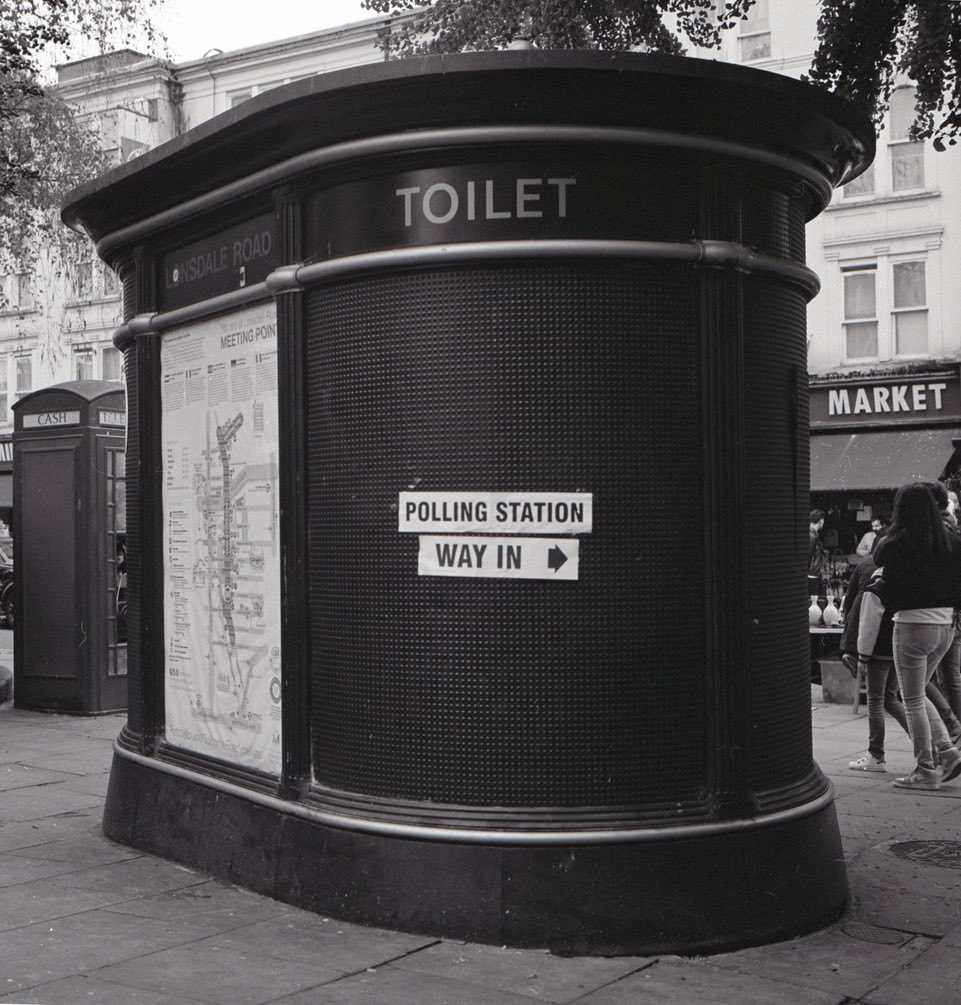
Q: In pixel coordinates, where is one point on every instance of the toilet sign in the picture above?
(469, 533)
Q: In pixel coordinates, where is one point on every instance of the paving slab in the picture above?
(86, 942)
(83, 988)
(20, 776)
(134, 877)
(299, 935)
(387, 985)
(47, 900)
(79, 852)
(845, 960)
(935, 976)
(216, 905)
(223, 976)
(15, 871)
(529, 972)
(899, 897)
(689, 981)
(96, 760)
(38, 801)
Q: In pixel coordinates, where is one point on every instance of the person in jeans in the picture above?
(875, 654)
(921, 586)
(947, 678)
(863, 573)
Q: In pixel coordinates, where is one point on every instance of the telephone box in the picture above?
(70, 652)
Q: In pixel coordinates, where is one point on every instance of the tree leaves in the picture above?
(865, 47)
(465, 25)
(868, 47)
(29, 28)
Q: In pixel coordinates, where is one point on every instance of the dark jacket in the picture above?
(860, 577)
(876, 642)
(911, 582)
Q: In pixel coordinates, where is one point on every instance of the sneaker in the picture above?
(950, 764)
(920, 778)
(870, 763)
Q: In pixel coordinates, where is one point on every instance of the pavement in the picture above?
(83, 919)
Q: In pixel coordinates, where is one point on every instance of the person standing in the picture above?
(816, 554)
(868, 543)
(872, 646)
(921, 586)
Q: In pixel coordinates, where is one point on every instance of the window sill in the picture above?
(860, 201)
(93, 301)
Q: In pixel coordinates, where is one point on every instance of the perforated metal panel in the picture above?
(495, 692)
(776, 460)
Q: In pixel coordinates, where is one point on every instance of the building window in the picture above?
(83, 280)
(910, 314)
(16, 292)
(860, 313)
(862, 185)
(24, 378)
(112, 364)
(907, 155)
(755, 34)
(83, 363)
(4, 398)
(110, 286)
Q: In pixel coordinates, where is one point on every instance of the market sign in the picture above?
(885, 401)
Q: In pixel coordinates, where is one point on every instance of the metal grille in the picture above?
(776, 501)
(129, 292)
(497, 692)
(771, 222)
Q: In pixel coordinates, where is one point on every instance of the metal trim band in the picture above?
(708, 254)
(479, 836)
(151, 324)
(294, 278)
(431, 139)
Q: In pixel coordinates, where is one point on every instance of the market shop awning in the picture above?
(880, 460)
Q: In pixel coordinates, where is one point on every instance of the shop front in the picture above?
(868, 437)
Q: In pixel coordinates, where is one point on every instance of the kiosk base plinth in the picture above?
(756, 883)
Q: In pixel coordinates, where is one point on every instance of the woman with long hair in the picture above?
(921, 559)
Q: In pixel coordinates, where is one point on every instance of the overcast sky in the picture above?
(194, 27)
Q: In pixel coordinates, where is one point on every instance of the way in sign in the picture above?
(498, 557)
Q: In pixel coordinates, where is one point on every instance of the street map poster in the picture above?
(221, 537)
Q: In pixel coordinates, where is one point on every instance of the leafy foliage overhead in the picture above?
(28, 30)
(865, 48)
(458, 25)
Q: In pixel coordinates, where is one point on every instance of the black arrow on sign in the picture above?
(555, 558)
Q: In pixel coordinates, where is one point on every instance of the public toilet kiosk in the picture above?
(465, 395)
(68, 526)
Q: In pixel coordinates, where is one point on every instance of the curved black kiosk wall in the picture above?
(468, 488)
